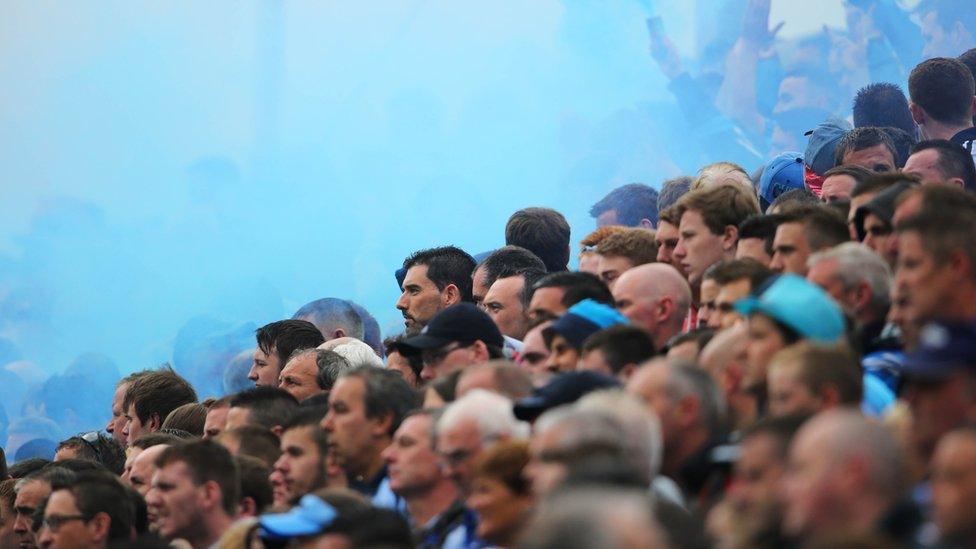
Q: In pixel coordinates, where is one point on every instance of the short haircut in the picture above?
(946, 230)
(189, 417)
(954, 161)
(578, 285)
(722, 173)
(510, 261)
(310, 417)
(882, 104)
(542, 231)
(858, 173)
(700, 336)
(862, 138)
(691, 380)
(329, 365)
(505, 462)
(255, 441)
(158, 393)
(513, 381)
(821, 366)
(7, 492)
(284, 337)
(671, 191)
(879, 182)
(782, 429)
(254, 475)
(621, 345)
(637, 245)
(793, 198)
(719, 207)
(760, 226)
(732, 270)
(446, 265)
(331, 311)
(269, 406)
(824, 227)
(386, 394)
(101, 492)
(944, 88)
(593, 239)
(207, 461)
(154, 439)
(414, 360)
(968, 58)
(856, 263)
(529, 279)
(96, 447)
(632, 202)
(25, 467)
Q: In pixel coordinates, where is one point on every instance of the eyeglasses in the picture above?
(91, 439)
(456, 457)
(55, 522)
(433, 357)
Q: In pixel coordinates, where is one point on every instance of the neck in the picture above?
(745, 409)
(938, 130)
(213, 526)
(962, 306)
(682, 449)
(666, 331)
(372, 465)
(427, 504)
(864, 515)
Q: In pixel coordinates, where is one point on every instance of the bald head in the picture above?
(725, 353)
(654, 297)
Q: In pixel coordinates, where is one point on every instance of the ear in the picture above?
(155, 423)
(212, 496)
(480, 351)
(918, 115)
(99, 526)
(960, 264)
(665, 308)
(381, 425)
(730, 237)
(957, 182)
(451, 295)
(862, 295)
(829, 397)
(337, 333)
(247, 507)
(627, 371)
(277, 430)
(646, 224)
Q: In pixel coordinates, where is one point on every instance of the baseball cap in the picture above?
(823, 142)
(783, 173)
(563, 388)
(310, 516)
(582, 320)
(800, 305)
(882, 205)
(943, 348)
(461, 322)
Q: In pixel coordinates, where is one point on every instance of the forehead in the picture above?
(871, 219)
(32, 493)
(735, 289)
(922, 159)
(822, 269)
(958, 449)
(790, 230)
(417, 426)
(174, 471)
(349, 389)
(534, 337)
(505, 288)
(416, 275)
(665, 231)
(463, 432)
(61, 502)
(304, 364)
(838, 182)
(548, 296)
(692, 219)
(146, 460)
(299, 436)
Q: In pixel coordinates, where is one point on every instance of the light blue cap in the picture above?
(800, 305)
(309, 517)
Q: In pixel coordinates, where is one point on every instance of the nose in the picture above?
(45, 538)
(110, 426)
(252, 374)
(328, 422)
(427, 373)
(402, 302)
(662, 254)
(389, 454)
(551, 363)
(679, 250)
(777, 263)
(20, 524)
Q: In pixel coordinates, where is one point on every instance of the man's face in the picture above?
(216, 421)
(301, 465)
(412, 463)
(176, 501)
(478, 286)
(70, 532)
(595, 361)
(535, 353)
(824, 274)
(420, 300)
(134, 427)
(938, 407)
(238, 416)
(459, 446)
(877, 159)
(143, 469)
(352, 434)
(666, 238)
(857, 202)
(725, 315)
(787, 394)
(650, 384)
(954, 487)
(837, 189)
(447, 359)
(117, 423)
(765, 340)
(299, 377)
(808, 485)
(611, 267)
(607, 218)
(563, 357)
(757, 474)
(544, 470)
(547, 304)
(639, 308)
(698, 248)
(876, 235)
(925, 165)
(753, 248)
(28, 498)
(706, 301)
(790, 249)
(926, 285)
(503, 303)
(265, 368)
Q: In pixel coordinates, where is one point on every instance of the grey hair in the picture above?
(358, 354)
(856, 263)
(642, 427)
(491, 412)
(688, 379)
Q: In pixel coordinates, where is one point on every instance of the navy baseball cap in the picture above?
(823, 143)
(943, 348)
(564, 388)
(461, 322)
(783, 173)
(309, 517)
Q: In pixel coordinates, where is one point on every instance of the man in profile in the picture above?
(275, 344)
(632, 205)
(434, 279)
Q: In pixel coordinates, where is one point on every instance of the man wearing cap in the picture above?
(819, 155)
(873, 220)
(566, 335)
(783, 173)
(456, 337)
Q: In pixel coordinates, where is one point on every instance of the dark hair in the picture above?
(158, 393)
(54, 474)
(96, 447)
(858, 173)
(760, 226)
(621, 345)
(947, 228)
(373, 527)
(781, 428)
(822, 366)
(578, 285)
(189, 417)
(879, 182)
(101, 492)
(632, 202)
(954, 160)
(26, 467)
(729, 271)
(334, 311)
(968, 58)
(530, 279)
(510, 261)
(254, 475)
(154, 439)
(7, 493)
(386, 392)
(824, 227)
(542, 231)
(944, 88)
(792, 199)
(414, 360)
(862, 138)
(255, 441)
(446, 386)
(671, 191)
(310, 417)
(903, 142)
(701, 336)
(882, 104)
(208, 461)
(284, 337)
(269, 406)
(445, 265)
(329, 365)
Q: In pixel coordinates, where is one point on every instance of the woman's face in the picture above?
(765, 340)
(500, 511)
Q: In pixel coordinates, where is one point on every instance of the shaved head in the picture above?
(655, 297)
